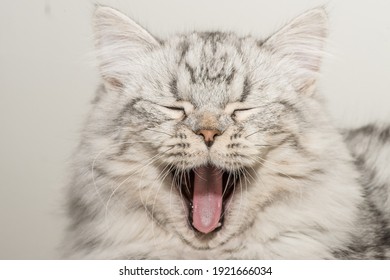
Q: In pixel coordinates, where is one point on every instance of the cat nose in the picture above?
(208, 135)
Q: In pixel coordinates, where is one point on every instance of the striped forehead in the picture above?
(210, 69)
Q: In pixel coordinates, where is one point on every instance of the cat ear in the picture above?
(118, 40)
(301, 43)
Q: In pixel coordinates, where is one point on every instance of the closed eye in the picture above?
(179, 112)
(178, 108)
(241, 110)
(236, 107)
(175, 108)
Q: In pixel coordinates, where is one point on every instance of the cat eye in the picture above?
(175, 108)
(242, 109)
(234, 114)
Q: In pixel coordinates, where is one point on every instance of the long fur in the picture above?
(304, 190)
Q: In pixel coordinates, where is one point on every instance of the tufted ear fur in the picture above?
(301, 43)
(118, 40)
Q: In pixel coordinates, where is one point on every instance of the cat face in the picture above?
(211, 109)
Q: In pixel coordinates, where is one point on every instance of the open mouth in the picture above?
(205, 190)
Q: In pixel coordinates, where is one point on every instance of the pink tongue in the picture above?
(207, 200)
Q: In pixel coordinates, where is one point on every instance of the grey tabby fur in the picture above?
(302, 189)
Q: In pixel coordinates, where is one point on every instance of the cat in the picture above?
(209, 145)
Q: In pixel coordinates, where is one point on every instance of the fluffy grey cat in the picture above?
(213, 146)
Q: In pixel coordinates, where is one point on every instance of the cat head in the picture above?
(213, 111)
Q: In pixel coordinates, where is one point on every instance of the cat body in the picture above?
(214, 146)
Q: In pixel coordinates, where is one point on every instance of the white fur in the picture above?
(293, 203)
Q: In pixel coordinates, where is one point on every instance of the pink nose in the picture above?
(208, 135)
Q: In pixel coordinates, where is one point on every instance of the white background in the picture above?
(48, 77)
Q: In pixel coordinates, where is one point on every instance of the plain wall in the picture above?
(48, 77)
